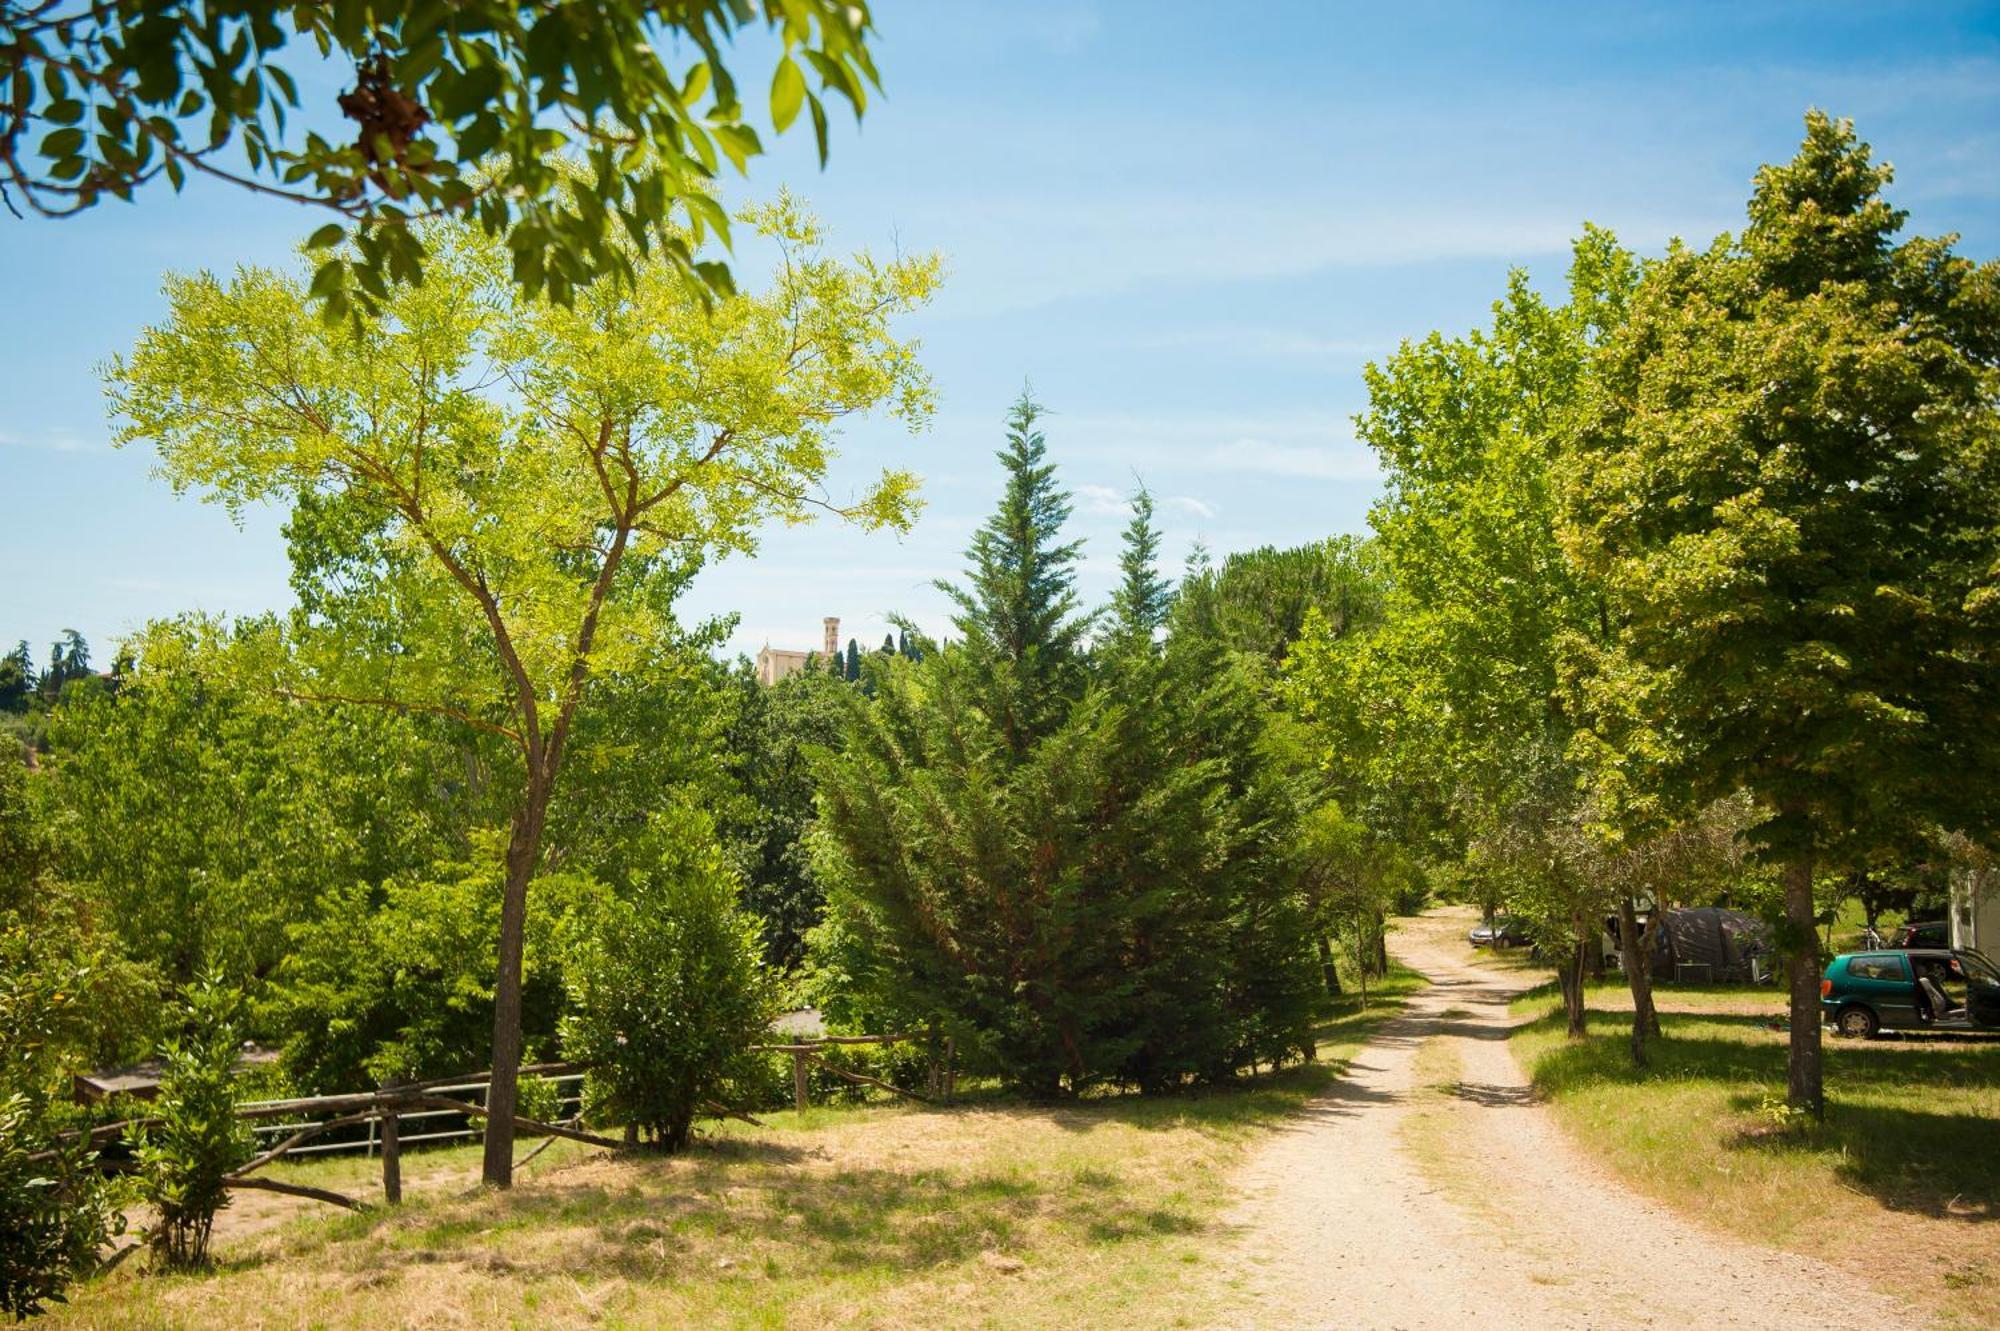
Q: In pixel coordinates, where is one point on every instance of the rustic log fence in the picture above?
(387, 1109)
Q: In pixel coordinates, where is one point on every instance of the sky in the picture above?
(1188, 226)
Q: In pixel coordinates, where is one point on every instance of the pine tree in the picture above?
(17, 679)
(1139, 608)
(1018, 613)
(888, 647)
(853, 666)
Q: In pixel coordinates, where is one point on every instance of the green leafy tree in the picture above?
(1139, 606)
(396, 980)
(206, 815)
(485, 549)
(1258, 603)
(456, 110)
(1788, 484)
(1456, 702)
(668, 991)
(69, 660)
(851, 670)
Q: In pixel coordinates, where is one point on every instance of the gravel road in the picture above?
(1429, 1190)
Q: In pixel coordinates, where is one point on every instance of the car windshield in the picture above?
(1978, 967)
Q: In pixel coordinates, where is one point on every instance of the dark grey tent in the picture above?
(1712, 944)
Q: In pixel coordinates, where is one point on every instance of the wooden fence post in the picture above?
(800, 1081)
(392, 1161)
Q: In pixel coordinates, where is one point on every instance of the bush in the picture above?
(667, 991)
(196, 1140)
(55, 1213)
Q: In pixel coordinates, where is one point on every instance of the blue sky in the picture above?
(1189, 234)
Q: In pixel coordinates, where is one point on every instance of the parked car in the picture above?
(1911, 989)
(1930, 933)
(1501, 931)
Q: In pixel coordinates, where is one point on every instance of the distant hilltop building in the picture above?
(774, 663)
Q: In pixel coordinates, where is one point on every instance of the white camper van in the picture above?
(1975, 909)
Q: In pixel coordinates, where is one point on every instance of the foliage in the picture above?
(457, 110)
(668, 989)
(1018, 615)
(396, 981)
(55, 1212)
(193, 1139)
(1077, 864)
(206, 815)
(17, 679)
(1787, 485)
(489, 552)
(772, 735)
(1259, 602)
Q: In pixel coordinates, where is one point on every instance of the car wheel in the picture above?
(1857, 1023)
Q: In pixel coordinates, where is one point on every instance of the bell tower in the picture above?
(832, 623)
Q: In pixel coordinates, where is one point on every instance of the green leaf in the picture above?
(330, 234)
(62, 142)
(788, 91)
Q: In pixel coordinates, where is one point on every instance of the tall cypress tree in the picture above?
(1139, 608)
(853, 670)
(1018, 612)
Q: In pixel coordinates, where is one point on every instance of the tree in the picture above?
(1788, 484)
(205, 816)
(17, 679)
(770, 741)
(1079, 865)
(1018, 613)
(1139, 607)
(69, 659)
(457, 110)
(852, 668)
(495, 497)
(1258, 603)
(1455, 703)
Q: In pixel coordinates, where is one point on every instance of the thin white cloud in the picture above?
(59, 440)
(1188, 504)
(1102, 501)
(1315, 462)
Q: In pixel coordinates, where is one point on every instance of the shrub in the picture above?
(55, 1212)
(668, 990)
(196, 1140)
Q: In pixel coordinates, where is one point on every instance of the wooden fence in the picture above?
(384, 1111)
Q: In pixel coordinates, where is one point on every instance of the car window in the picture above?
(1876, 968)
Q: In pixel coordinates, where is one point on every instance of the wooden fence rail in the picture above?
(389, 1106)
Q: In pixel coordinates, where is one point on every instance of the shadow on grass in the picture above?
(1885, 1134)
(712, 1213)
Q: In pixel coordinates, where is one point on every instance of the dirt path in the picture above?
(1429, 1190)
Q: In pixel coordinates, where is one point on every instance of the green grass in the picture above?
(994, 1213)
(1902, 1180)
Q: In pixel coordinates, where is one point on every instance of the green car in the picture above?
(1920, 989)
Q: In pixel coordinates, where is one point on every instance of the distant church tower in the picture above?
(832, 649)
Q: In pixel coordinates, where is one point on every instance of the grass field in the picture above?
(989, 1214)
(1901, 1183)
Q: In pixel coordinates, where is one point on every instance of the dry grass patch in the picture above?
(990, 1215)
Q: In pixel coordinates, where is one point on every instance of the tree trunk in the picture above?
(1380, 955)
(1328, 971)
(1570, 976)
(1804, 1086)
(502, 1095)
(1632, 955)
